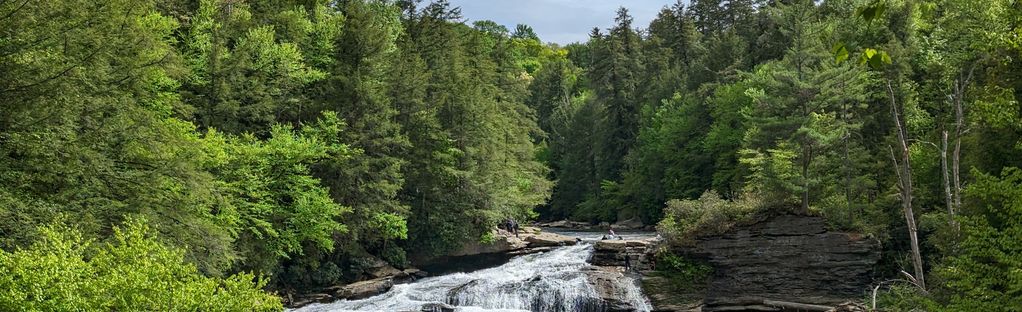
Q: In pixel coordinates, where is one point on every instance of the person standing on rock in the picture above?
(512, 226)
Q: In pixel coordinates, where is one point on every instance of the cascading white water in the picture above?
(551, 281)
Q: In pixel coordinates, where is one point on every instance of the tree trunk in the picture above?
(947, 180)
(904, 173)
(959, 130)
(807, 154)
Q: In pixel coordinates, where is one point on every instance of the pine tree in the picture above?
(615, 78)
(357, 89)
(242, 77)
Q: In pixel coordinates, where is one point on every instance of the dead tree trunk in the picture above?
(904, 174)
(947, 180)
(960, 86)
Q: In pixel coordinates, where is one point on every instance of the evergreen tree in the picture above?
(615, 80)
(357, 89)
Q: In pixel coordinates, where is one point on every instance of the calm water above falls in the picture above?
(549, 281)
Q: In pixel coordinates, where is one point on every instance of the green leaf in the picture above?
(840, 52)
(872, 12)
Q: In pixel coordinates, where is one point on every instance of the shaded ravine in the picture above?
(553, 281)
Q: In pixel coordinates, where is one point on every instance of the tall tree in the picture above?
(357, 89)
(615, 78)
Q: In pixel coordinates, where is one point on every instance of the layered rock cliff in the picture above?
(780, 260)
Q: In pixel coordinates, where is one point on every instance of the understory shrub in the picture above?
(684, 220)
(134, 272)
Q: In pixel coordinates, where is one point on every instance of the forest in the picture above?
(234, 151)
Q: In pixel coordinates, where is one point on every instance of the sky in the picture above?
(559, 21)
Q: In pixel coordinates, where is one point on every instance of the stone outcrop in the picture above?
(382, 279)
(549, 240)
(363, 289)
(528, 240)
(503, 242)
(607, 282)
(379, 268)
(783, 262)
(633, 254)
(664, 296)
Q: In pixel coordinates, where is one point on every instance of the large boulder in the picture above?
(363, 289)
(304, 300)
(635, 254)
(549, 240)
(379, 268)
(503, 242)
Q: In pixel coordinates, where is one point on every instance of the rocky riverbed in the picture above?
(780, 263)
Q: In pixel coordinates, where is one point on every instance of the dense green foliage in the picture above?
(719, 110)
(134, 272)
(300, 141)
(296, 140)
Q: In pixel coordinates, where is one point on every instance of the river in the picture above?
(552, 281)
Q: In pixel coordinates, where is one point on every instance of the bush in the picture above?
(134, 272)
(685, 220)
(683, 273)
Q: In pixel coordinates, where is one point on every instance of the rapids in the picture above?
(553, 281)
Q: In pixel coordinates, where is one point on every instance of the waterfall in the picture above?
(552, 281)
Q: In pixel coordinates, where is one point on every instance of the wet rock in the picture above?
(634, 254)
(549, 240)
(608, 282)
(437, 307)
(363, 289)
(531, 250)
